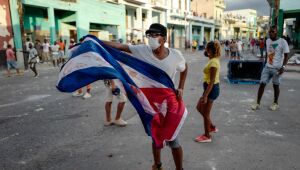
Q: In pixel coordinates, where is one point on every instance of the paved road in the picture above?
(41, 128)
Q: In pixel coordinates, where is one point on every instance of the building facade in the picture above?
(210, 10)
(178, 23)
(240, 24)
(65, 19)
(108, 20)
(140, 14)
(262, 26)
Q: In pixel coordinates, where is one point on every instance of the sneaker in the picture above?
(20, 74)
(120, 122)
(203, 139)
(255, 106)
(108, 123)
(77, 94)
(36, 76)
(87, 95)
(155, 167)
(214, 130)
(274, 107)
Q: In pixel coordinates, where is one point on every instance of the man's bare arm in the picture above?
(119, 46)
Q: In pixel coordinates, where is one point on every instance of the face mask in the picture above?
(153, 43)
(205, 54)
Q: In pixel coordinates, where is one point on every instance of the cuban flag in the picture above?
(149, 89)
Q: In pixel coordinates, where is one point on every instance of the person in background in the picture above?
(120, 40)
(72, 43)
(11, 61)
(26, 53)
(261, 47)
(113, 90)
(79, 92)
(45, 54)
(211, 79)
(233, 50)
(204, 42)
(194, 45)
(33, 56)
(227, 48)
(252, 45)
(61, 44)
(55, 53)
(240, 48)
(39, 49)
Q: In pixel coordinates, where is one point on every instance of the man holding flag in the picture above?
(170, 61)
(147, 77)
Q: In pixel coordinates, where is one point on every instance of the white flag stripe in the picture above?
(141, 80)
(85, 60)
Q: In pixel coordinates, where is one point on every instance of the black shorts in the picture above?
(214, 93)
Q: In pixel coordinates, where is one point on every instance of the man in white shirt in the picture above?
(45, 54)
(55, 53)
(26, 52)
(33, 55)
(240, 48)
(277, 52)
(170, 61)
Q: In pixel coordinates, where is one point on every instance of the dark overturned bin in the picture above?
(244, 71)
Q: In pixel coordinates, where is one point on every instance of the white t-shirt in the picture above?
(55, 48)
(240, 43)
(32, 54)
(276, 50)
(46, 47)
(171, 64)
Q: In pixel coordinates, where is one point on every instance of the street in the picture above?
(42, 128)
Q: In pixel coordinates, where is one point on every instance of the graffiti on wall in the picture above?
(6, 36)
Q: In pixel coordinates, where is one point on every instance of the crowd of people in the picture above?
(35, 53)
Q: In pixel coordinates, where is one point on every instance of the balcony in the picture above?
(159, 4)
(177, 13)
(139, 2)
(220, 4)
(218, 22)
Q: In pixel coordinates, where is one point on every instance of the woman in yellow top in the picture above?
(194, 45)
(211, 74)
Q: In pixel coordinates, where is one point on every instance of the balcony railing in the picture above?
(220, 4)
(140, 2)
(159, 4)
(113, 1)
(70, 1)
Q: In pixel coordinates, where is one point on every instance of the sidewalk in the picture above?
(293, 68)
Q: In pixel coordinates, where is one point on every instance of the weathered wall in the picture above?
(5, 25)
(5, 30)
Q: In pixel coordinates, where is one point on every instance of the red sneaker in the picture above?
(203, 139)
(214, 130)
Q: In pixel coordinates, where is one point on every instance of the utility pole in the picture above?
(276, 11)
